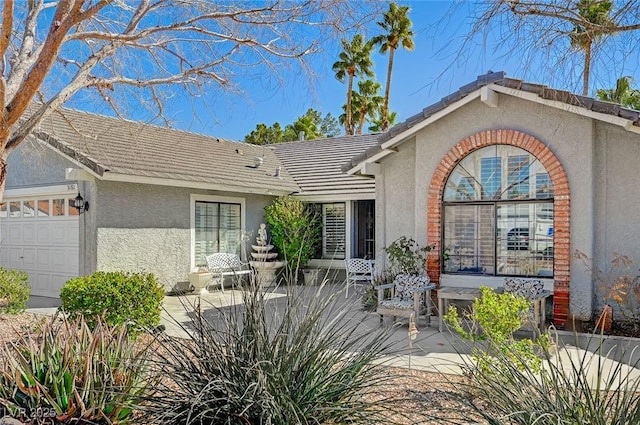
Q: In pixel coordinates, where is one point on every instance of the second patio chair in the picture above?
(358, 270)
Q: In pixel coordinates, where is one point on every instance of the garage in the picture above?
(39, 234)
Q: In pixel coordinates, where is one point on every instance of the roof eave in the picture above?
(578, 109)
(159, 181)
(388, 147)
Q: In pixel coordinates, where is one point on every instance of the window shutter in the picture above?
(333, 230)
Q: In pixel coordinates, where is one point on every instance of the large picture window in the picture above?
(217, 229)
(498, 215)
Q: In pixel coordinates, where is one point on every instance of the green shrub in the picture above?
(294, 229)
(494, 318)
(14, 291)
(117, 297)
(67, 373)
(573, 386)
(407, 257)
(295, 360)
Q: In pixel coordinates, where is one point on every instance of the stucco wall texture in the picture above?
(143, 227)
(33, 164)
(598, 159)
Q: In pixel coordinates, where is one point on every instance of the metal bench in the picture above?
(222, 265)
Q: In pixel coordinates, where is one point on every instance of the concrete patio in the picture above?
(430, 351)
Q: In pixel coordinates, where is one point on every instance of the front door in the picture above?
(365, 229)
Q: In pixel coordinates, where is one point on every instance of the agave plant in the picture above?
(294, 360)
(68, 373)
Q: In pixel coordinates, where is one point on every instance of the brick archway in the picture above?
(562, 250)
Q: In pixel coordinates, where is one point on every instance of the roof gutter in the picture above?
(127, 178)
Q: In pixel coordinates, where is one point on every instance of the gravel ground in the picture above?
(424, 398)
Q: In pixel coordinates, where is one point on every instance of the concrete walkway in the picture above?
(431, 350)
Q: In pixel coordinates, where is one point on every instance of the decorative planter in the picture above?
(200, 280)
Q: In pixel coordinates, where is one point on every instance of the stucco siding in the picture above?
(617, 198)
(399, 188)
(34, 164)
(148, 228)
(569, 136)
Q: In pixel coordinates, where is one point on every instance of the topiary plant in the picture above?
(117, 297)
(294, 229)
(14, 291)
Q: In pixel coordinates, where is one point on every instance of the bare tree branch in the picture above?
(106, 46)
(539, 35)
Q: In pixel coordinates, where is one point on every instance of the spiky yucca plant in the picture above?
(291, 360)
(573, 386)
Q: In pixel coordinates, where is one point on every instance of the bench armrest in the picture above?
(425, 288)
(385, 286)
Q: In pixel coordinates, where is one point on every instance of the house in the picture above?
(508, 178)
(158, 199)
(345, 203)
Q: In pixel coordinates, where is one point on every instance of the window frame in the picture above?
(211, 199)
(495, 203)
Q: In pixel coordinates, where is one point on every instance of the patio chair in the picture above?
(222, 264)
(533, 291)
(358, 270)
(408, 295)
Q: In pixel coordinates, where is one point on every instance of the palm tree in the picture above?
(366, 102)
(355, 59)
(376, 122)
(397, 27)
(623, 94)
(596, 15)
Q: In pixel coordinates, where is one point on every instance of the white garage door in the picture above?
(39, 235)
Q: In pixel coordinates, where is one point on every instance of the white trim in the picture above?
(489, 97)
(196, 197)
(393, 142)
(329, 198)
(489, 100)
(575, 109)
(161, 181)
(41, 191)
(396, 140)
(78, 175)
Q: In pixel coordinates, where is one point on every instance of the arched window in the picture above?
(498, 215)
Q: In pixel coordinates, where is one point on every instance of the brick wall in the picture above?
(562, 249)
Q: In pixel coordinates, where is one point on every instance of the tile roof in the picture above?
(108, 145)
(316, 164)
(500, 79)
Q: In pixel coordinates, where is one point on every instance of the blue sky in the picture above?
(420, 77)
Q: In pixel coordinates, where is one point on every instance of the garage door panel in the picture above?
(29, 234)
(46, 247)
(59, 261)
(43, 232)
(40, 282)
(14, 234)
(29, 258)
(44, 259)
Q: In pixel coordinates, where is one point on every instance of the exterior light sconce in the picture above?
(80, 204)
